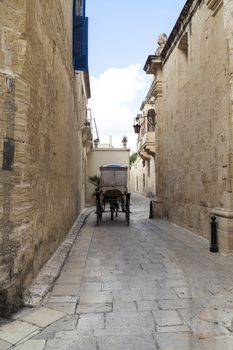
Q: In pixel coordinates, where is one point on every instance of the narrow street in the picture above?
(149, 286)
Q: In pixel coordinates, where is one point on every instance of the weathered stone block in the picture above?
(194, 118)
(39, 111)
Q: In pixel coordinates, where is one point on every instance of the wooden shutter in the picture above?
(80, 43)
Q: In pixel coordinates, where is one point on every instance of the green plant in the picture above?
(94, 180)
(133, 158)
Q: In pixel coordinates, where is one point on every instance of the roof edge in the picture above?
(186, 14)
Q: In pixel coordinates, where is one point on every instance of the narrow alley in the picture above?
(148, 286)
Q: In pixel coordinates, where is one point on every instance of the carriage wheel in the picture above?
(127, 209)
(112, 208)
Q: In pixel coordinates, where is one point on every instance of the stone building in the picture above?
(142, 173)
(193, 99)
(44, 136)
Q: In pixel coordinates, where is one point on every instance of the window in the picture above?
(148, 168)
(151, 120)
(183, 59)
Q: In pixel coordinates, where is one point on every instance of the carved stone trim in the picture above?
(150, 149)
(157, 89)
(144, 155)
(86, 134)
(224, 213)
(183, 44)
(153, 64)
(214, 5)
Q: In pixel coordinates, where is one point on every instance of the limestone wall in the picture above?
(194, 137)
(42, 194)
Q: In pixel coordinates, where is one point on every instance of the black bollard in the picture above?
(151, 210)
(213, 235)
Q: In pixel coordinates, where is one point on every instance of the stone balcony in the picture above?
(147, 144)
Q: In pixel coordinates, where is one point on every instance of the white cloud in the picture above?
(116, 98)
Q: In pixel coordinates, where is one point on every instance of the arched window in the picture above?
(151, 120)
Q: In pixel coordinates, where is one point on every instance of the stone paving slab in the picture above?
(72, 270)
(178, 341)
(141, 342)
(158, 294)
(124, 306)
(16, 331)
(147, 305)
(190, 292)
(127, 295)
(90, 278)
(45, 335)
(94, 308)
(37, 344)
(173, 282)
(61, 299)
(167, 318)
(72, 278)
(153, 275)
(206, 330)
(172, 329)
(117, 285)
(66, 289)
(127, 267)
(104, 268)
(90, 286)
(148, 286)
(42, 317)
(189, 313)
(67, 323)
(218, 343)
(65, 308)
(73, 343)
(128, 323)
(88, 323)
(220, 315)
(4, 345)
(157, 267)
(92, 274)
(96, 297)
(177, 304)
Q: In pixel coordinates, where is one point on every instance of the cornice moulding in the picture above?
(222, 212)
(189, 9)
(153, 63)
(214, 5)
(157, 89)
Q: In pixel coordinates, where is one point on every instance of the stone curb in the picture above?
(44, 281)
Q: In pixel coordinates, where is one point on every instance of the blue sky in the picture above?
(122, 33)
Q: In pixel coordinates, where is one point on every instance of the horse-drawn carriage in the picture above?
(112, 195)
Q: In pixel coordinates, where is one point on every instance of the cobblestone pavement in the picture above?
(149, 286)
